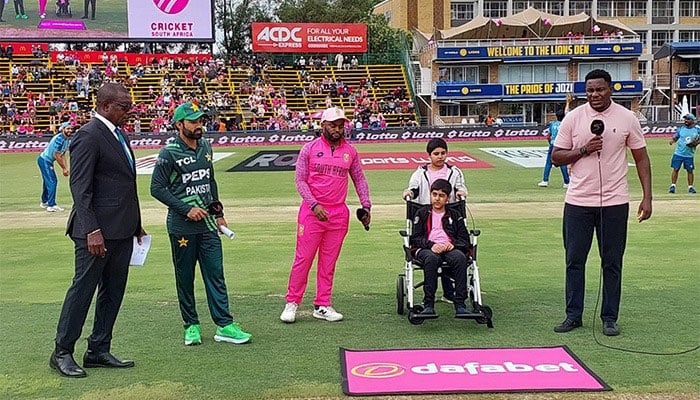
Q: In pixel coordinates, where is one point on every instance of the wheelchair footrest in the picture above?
(469, 315)
(424, 316)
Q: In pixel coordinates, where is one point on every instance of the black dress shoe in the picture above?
(104, 360)
(84, 17)
(64, 364)
(567, 326)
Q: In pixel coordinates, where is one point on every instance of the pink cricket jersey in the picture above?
(322, 173)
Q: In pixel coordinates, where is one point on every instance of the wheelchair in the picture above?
(406, 283)
(63, 8)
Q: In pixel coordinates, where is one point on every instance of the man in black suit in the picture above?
(103, 222)
(89, 3)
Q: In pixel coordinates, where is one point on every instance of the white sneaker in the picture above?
(43, 205)
(566, 186)
(327, 313)
(543, 184)
(289, 314)
(54, 208)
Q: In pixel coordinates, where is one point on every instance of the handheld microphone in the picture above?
(597, 127)
(361, 215)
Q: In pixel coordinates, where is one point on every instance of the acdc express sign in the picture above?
(270, 37)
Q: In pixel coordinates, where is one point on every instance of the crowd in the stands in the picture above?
(70, 96)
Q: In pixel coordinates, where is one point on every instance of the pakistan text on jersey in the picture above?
(333, 170)
(199, 189)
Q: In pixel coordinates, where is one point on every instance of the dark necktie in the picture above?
(120, 136)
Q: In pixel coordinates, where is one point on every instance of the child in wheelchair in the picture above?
(419, 189)
(440, 235)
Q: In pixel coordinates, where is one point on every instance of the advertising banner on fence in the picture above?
(270, 37)
(113, 21)
(33, 143)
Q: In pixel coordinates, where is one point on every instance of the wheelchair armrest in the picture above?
(407, 254)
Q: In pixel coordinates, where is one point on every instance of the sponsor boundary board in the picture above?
(463, 370)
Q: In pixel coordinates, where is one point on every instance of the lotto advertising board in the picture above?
(112, 20)
(269, 37)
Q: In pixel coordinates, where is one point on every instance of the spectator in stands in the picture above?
(339, 58)
(354, 62)
(9, 51)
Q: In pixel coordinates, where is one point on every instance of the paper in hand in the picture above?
(229, 233)
(140, 251)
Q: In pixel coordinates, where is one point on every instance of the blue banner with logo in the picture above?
(540, 51)
(689, 82)
(535, 91)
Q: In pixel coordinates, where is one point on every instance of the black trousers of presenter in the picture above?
(205, 248)
(108, 275)
(610, 225)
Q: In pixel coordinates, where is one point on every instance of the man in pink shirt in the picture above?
(593, 139)
(321, 179)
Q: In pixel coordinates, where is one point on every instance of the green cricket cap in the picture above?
(188, 111)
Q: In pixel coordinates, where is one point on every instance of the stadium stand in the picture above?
(40, 92)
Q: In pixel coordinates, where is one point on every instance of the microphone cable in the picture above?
(600, 283)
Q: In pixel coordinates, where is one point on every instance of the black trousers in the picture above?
(92, 3)
(107, 275)
(456, 261)
(610, 225)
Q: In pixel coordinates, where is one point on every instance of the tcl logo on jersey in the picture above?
(279, 34)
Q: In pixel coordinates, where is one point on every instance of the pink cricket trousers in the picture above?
(314, 236)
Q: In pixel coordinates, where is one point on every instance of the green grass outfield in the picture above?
(520, 259)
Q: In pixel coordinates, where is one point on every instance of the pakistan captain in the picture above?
(183, 180)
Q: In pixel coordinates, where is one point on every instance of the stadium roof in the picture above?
(680, 49)
(532, 23)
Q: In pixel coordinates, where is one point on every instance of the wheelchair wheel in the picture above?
(411, 315)
(487, 315)
(400, 294)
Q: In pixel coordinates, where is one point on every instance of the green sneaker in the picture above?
(231, 333)
(193, 335)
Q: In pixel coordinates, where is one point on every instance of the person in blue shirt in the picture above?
(54, 152)
(686, 138)
(553, 130)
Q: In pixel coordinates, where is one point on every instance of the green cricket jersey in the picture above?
(184, 178)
